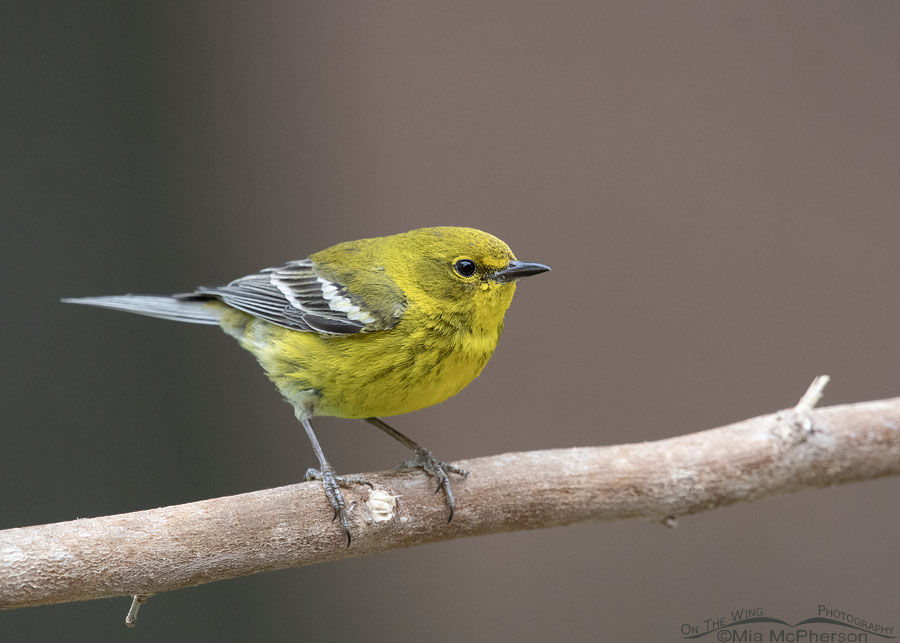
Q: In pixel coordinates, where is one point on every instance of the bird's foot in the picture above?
(332, 484)
(440, 471)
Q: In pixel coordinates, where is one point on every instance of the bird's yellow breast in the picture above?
(417, 363)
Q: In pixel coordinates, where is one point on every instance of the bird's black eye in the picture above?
(465, 267)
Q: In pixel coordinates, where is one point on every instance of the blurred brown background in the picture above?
(715, 185)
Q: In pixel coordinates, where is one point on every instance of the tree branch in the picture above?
(158, 550)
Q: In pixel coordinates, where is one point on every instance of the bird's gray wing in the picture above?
(298, 297)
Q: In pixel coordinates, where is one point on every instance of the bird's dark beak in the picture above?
(517, 270)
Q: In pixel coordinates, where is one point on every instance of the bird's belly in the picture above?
(377, 374)
(409, 382)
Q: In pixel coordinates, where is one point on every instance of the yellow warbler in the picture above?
(365, 328)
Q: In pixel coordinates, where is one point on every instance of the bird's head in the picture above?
(466, 276)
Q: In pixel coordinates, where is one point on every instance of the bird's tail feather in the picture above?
(183, 310)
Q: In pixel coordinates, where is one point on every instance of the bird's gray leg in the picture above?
(433, 467)
(330, 482)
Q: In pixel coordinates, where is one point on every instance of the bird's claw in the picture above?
(344, 481)
(440, 471)
(332, 484)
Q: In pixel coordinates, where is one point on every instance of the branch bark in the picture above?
(158, 550)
